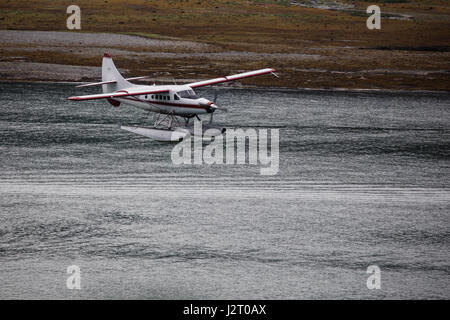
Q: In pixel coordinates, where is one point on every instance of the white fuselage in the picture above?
(179, 100)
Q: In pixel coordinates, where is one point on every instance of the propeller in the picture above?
(214, 107)
(211, 106)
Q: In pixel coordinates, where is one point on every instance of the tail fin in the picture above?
(110, 73)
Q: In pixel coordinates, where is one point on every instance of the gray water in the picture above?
(363, 180)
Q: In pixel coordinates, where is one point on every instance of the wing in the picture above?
(117, 94)
(231, 78)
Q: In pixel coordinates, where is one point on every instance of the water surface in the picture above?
(363, 180)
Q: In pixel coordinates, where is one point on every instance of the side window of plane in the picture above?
(176, 97)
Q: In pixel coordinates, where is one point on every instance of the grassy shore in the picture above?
(310, 47)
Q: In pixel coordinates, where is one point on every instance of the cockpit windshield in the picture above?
(187, 94)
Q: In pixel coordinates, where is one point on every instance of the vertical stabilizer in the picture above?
(109, 73)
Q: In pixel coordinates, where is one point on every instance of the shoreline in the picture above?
(259, 88)
(57, 56)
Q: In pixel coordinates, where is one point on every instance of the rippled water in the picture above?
(363, 181)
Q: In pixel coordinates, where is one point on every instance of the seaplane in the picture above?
(171, 103)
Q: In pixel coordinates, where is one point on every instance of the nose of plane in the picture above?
(211, 107)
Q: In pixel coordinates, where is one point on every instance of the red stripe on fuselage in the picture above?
(166, 103)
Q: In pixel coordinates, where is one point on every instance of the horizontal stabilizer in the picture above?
(95, 84)
(137, 78)
(108, 82)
